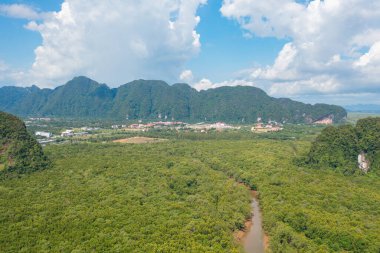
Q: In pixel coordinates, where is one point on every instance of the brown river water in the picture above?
(254, 239)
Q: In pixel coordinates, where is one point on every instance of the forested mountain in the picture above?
(339, 147)
(144, 99)
(19, 152)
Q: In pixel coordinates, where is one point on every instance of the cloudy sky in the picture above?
(314, 51)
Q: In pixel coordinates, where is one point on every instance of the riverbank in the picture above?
(252, 237)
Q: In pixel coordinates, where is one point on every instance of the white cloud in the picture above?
(334, 45)
(282, 68)
(19, 11)
(3, 66)
(205, 84)
(318, 84)
(115, 41)
(370, 58)
(367, 37)
(8, 75)
(186, 76)
(4, 72)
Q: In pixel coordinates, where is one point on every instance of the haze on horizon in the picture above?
(312, 51)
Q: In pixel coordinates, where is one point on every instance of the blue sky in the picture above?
(17, 44)
(225, 50)
(223, 54)
(313, 51)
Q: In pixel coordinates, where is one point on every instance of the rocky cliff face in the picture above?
(363, 162)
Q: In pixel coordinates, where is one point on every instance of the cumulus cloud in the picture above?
(19, 11)
(205, 84)
(3, 66)
(5, 72)
(115, 41)
(186, 76)
(370, 58)
(9, 75)
(333, 48)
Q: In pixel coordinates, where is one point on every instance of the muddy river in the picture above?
(254, 239)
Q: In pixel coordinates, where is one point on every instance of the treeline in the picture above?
(339, 147)
(19, 151)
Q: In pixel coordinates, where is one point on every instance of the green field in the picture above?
(183, 196)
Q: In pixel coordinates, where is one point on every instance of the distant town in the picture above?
(45, 137)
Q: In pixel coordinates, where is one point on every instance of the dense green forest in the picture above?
(305, 210)
(339, 147)
(19, 151)
(184, 196)
(148, 99)
(114, 198)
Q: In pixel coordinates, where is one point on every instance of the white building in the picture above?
(44, 134)
(67, 133)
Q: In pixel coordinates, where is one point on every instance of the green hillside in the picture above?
(19, 152)
(339, 147)
(147, 99)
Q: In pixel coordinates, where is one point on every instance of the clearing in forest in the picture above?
(139, 140)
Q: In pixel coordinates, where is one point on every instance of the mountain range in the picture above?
(152, 99)
(365, 108)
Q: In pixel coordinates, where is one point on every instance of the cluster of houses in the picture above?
(40, 119)
(151, 125)
(71, 133)
(266, 128)
(90, 128)
(47, 137)
(259, 127)
(178, 125)
(202, 127)
(118, 126)
(67, 133)
(44, 134)
(271, 126)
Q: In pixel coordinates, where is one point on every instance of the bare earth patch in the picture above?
(266, 242)
(240, 234)
(139, 140)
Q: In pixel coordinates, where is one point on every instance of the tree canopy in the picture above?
(339, 147)
(19, 151)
